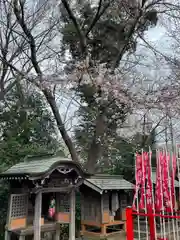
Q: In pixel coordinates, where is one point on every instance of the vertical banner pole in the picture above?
(129, 224)
(151, 207)
(153, 219)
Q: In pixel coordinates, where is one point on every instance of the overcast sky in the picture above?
(159, 70)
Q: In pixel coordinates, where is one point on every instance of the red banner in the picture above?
(159, 192)
(143, 176)
(138, 174)
(145, 159)
(173, 175)
(165, 182)
(149, 189)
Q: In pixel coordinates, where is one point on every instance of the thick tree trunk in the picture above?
(95, 149)
(93, 156)
(51, 100)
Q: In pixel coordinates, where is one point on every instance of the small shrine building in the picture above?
(33, 184)
(104, 199)
(38, 181)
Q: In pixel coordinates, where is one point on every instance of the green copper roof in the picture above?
(34, 166)
(103, 182)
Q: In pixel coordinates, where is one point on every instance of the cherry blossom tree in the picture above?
(70, 44)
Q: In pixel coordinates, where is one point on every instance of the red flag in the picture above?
(143, 182)
(149, 189)
(142, 197)
(158, 192)
(138, 174)
(167, 205)
(173, 175)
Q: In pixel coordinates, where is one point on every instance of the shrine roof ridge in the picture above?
(108, 183)
(106, 176)
(39, 166)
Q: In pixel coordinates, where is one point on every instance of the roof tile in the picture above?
(36, 166)
(110, 183)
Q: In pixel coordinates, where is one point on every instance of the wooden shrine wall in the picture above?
(90, 205)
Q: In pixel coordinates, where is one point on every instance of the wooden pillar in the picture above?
(22, 237)
(103, 230)
(37, 216)
(7, 235)
(72, 215)
(57, 234)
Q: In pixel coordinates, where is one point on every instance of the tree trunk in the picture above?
(95, 149)
(93, 156)
(51, 100)
(94, 153)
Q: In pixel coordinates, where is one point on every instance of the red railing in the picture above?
(151, 221)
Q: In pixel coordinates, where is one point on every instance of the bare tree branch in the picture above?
(47, 93)
(74, 20)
